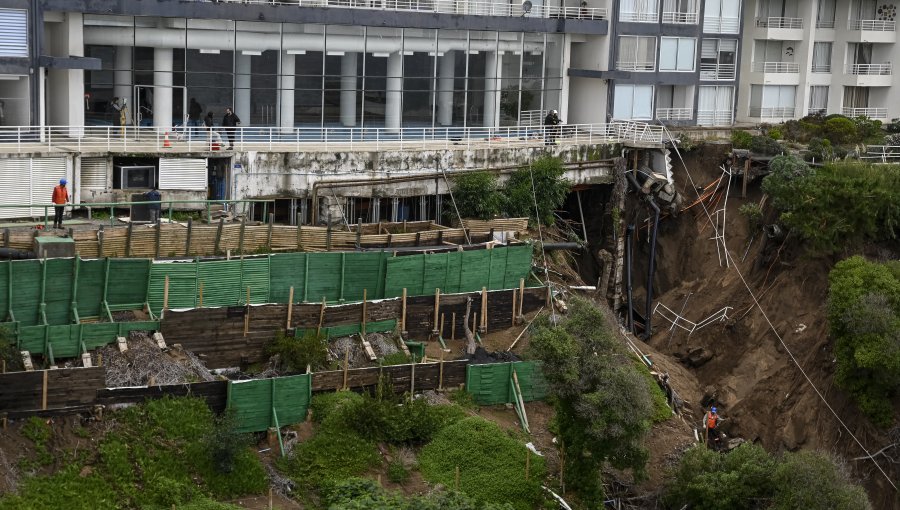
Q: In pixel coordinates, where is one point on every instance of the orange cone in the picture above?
(166, 143)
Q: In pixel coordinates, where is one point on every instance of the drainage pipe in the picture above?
(629, 232)
(652, 269)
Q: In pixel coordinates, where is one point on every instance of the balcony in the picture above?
(639, 17)
(636, 66)
(721, 25)
(827, 24)
(872, 31)
(773, 113)
(777, 73)
(872, 113)
(780, 29)
(714, 117)
(870, 75)
(717, 72)
(817, 111)
(821, 68)
(674, 113)
(680, 18)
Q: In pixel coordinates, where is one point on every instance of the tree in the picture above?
(604, 404)
(478, 195)
(549, 189)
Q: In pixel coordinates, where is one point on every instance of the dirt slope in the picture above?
(760, 390)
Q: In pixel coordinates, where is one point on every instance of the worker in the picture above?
(551, 127)
(154, 196)
(711, 422)
(60, 199)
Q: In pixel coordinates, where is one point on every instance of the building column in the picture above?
(65, 87)
(242, 88)
(287, 68)
(348, 89)
(162, 88)
(122, 87)
(491, 89)
(394, 92)
(447, 66)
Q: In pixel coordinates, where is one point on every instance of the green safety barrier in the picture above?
(352, 329)
(263, 403)
(491, 384)
(71, 340)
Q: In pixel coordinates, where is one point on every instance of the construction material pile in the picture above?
(144, 363)
(383, 344)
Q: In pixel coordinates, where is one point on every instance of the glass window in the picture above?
(633, 102)
(419, 58)
(639, 11)
(636, 54)
(722, 17)
(821, 61)
(825, 14)
(677, 53)
(715, 106)
(818, 99)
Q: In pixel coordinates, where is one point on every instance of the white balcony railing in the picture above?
(777, 112)
(473, 7)
(872, 25)
(821, 68)
(871, 69)
(872, 113)
(825, 24)
(639, 17)
(779, 22)
(722, 25)
(717, 71)
(776, 67)
(19, 139)
(636, 66)
(714, 117)
(680, 18)
(674, 113)
(817, 111)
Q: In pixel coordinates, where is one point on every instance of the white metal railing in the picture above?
(277, 139)
(872, 25)
(532, 117)
(474, 7)
(776, 67)
(882, 153)
(779, 22)
(674, 113)
(816, 111)
(872, 113)
(821, 68)
(722, 25)
(715, 117)
(870, 69)
(681, 18)
(635, 66)
(639, 17)
(824, 23)
(776, 112)
(717, 71)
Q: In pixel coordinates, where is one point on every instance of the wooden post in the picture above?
(247, 314)
(158, 235)
(441, 331)
(299, 233)
(475, 322)
(100, 236)
(187, 242)
(403, 313)
(744, 183)
(514, 306)
(549, 302)
(521, 296)
(44, 392)
(241, 236)
(287, 326)
(162, 312)
(216, 250)
(328, 234)
(483, 310)
(270, 499)
(321, 317)
(271, 226)
(412, 377)
(453, 326)
(128, 239)
(363, 325)
(437, 305)
(358, 231)
(200, 303)
(441, 372)
(346, 365)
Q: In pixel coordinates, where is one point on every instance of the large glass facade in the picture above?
(303, 75)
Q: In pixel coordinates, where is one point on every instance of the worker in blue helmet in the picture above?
(711, 423)
(60, 199)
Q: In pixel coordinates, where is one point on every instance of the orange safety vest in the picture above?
(60, 195)
(712, 420)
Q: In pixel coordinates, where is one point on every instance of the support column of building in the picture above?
(162, 88)
(491, 89)
(446, 69)
(287, 68)
(65, 87)
(242, 88)
(394, 92)
(123, 88)
(348, 89)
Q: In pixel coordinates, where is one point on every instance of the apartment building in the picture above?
(818, 56)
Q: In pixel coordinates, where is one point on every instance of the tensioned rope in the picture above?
(450, 191)
(537, 215)
(769, 322)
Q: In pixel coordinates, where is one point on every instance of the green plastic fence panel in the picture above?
(490, 384)
(475, 270)
(31, 339)
(98, 334)
(58, 291)
(4, 290)
(405, 273)
(221, 282)
(518, 266)
(90, 287)
(363, 271)
(253, 401)
(285, 271)
(64, 340)
(182, 285)
(127, 285)
(325, 275)
(352, 329)
(255, 274)
(26, 291)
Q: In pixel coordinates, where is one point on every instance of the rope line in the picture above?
(450, 191)
(772, 326)
(537, 215)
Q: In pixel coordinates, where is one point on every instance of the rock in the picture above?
(698, 356)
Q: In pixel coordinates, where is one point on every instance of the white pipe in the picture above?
(162, 90)
(286, 78)
(242, 83)
(348, 89)
(122, 79)
(394, 92)
(447, 67)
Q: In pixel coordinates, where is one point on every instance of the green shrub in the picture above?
(741, 139)
(397, 472)
(765, 146)
(775, 134)
(365, 494)
(820, 150)
(542, 182)
(37, 430)
(395, 358)
(414, 422)
(478, 195)
(864, 318)
(9, 353)
(331, 455)
(868, 131)
(491, 464)
(754, 215)
(840, 130)
(295, 354)
(332, 406)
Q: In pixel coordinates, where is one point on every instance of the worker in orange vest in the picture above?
(711, 422)
(60, 199)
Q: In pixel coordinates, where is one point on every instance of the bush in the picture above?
(820, 150)
(765, 146)
(548, 187)
(478, 195)
(754, 215)
(868, 131)
(364, 494)
(414, 422)
(864, 318)
(491, 464)
(815, 480)
(397, 472)
(775, 134)
(295, 354)
(741, 139)
(840, 130)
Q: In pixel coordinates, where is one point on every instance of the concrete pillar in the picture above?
(162, 88)
(394, 93)
(348, 89)
(123, 88)
(287, 68)
(446, 69)
(65, 87)
(491, 89)
(242, 88)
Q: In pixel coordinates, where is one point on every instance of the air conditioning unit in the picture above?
(131, 177)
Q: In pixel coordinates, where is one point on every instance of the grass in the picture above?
(155, 455)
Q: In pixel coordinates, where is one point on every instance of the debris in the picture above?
(123, 345)
(144, 361)
(26, 361)
(800, 328)
(697, 357)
